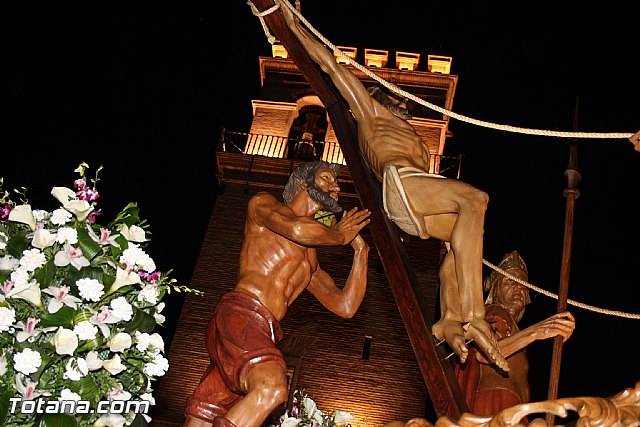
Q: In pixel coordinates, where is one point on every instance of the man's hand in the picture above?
(351, 223)
(560, 324)
(635, 140)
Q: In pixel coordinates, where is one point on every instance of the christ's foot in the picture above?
(480, 332)
(452, 332)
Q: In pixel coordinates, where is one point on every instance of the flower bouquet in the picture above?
(79, 303)
(305, 413)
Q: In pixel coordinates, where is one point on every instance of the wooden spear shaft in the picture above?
(571, 193)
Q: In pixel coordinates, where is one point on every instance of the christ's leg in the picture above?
(454, 212)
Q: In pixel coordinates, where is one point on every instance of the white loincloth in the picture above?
(395, 202)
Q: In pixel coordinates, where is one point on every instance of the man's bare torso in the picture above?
(387, 139)
(273, 268)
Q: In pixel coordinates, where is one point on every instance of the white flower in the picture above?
(341, 416)
(67, 235)
(121, 308)
(39, 215)
(105, 238)
(66, 394)
(114, 365)
(85, 330)
(3, 241)
(93, 361)
(149, 293)
(120, 342)
(7, 317)
(61, 296)
(90, 289)
(312, 409)
(60, 217)
(71, 255)
(151, 344)
(290, 422)
(76, 369)
(32, 259)
(28, 389)
(65, 341)
(43, 239)
(133, 256)
(110, 420)
(20, 276)
(27, 361)
(103, 319)
(80, 208)
(158, 367)
(23, 214)
(8, 263)
(148, 397)
(119, 394)
(159, 318)
(3, 365)
(28, 291)
(133, 234)
(29, 330)
(124, 278)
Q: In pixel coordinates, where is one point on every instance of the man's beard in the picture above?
(323, 197)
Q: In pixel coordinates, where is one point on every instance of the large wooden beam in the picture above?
(443, 388)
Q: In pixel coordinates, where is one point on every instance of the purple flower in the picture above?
(295, 412)
(151, 278)
(5, 211)
(92, 216)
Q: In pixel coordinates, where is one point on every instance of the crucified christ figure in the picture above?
(420, 203)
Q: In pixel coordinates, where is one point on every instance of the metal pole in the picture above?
(571, 194)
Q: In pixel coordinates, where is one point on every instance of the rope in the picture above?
(552, 295)
(460, 117)
(261, 15)
(398, 91)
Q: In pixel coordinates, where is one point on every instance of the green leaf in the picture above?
(89, 248)
(142, 321)
(63, 317)
(88, 388)
(128, 215)
(134, 380)
(57, 420)
(4, 406)
(91, 344)
(17, 244)
(107, 282)
(44, 275)
(124, 244)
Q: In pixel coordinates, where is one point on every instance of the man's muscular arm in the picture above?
(560, 324)
(346, 301)
(268, 212)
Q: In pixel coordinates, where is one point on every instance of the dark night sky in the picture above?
(146, 94)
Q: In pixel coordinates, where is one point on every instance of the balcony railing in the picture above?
(282, 147)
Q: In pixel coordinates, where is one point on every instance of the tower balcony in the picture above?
(267, 160)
